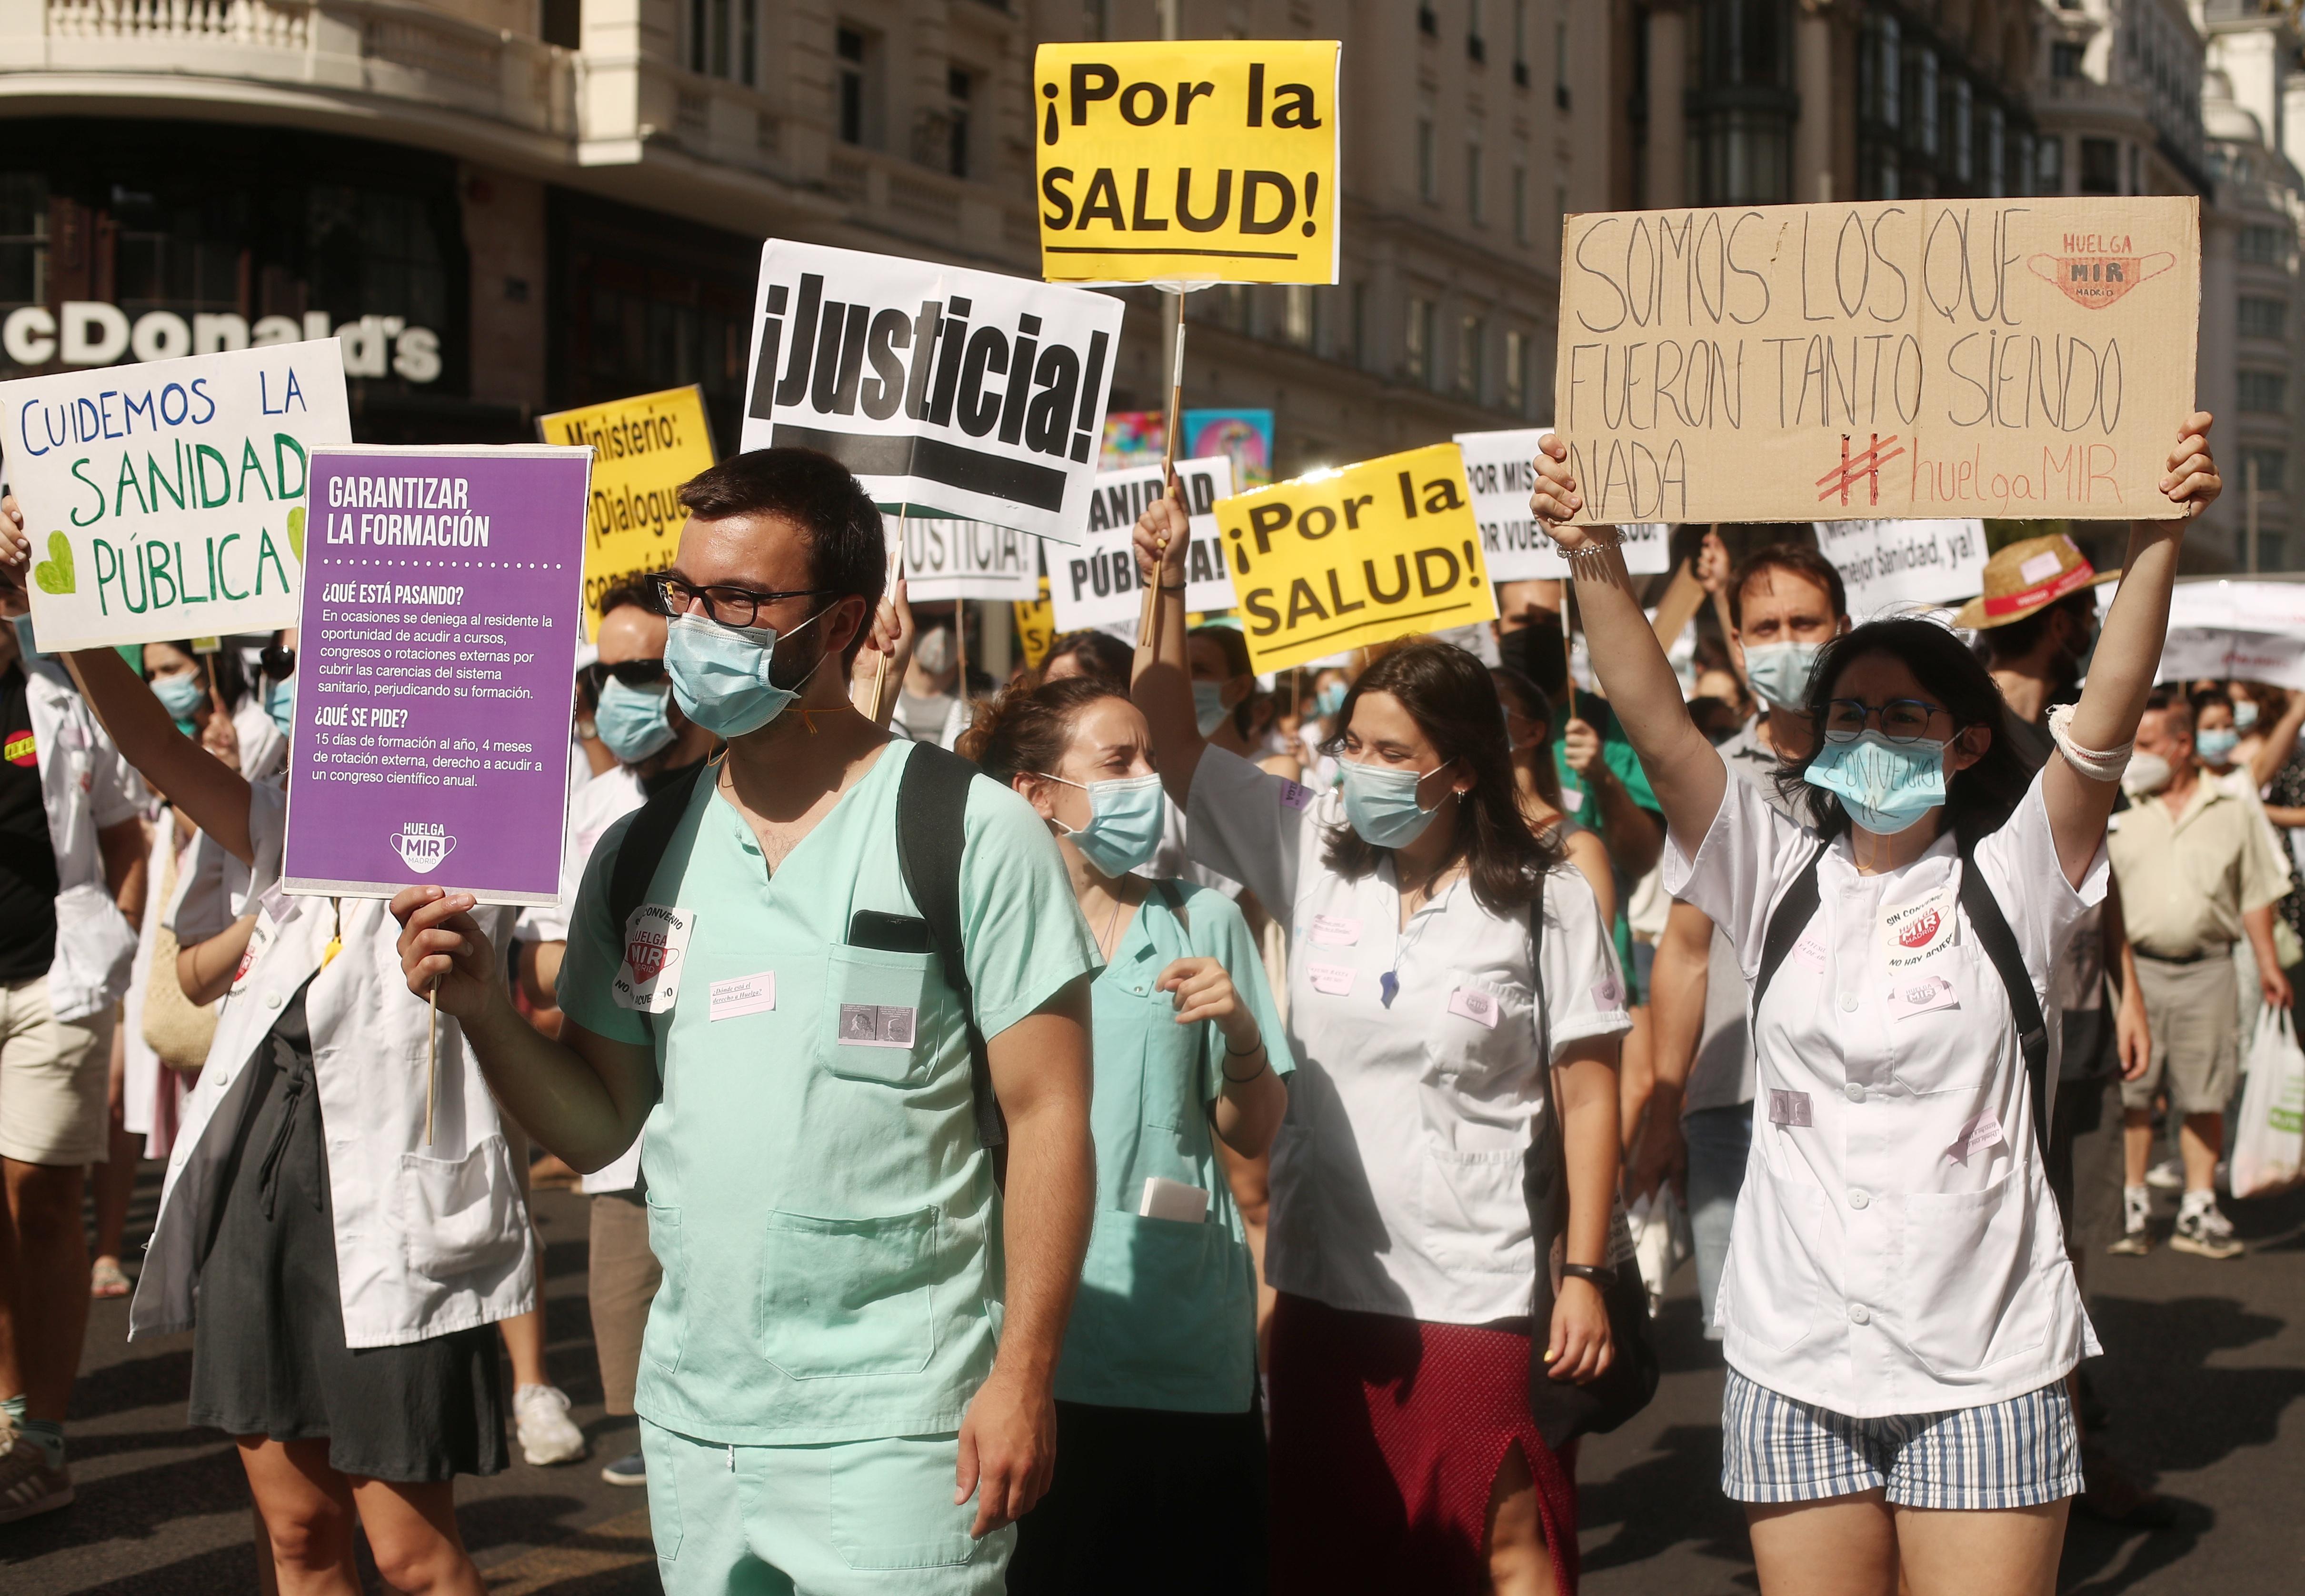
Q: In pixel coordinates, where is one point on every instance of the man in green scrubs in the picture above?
(857, 1332)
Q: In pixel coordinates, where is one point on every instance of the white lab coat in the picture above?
(84, 787)
(430, 1239)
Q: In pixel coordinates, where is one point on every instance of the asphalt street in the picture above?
(2204, 1362)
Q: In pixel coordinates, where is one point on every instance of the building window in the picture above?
(1922, 127)
(1236, 308)
(1473, 208)
(959, 85)
(723, 39)
(1472, 352)
(1477, 48)
(1428, 162)
(2269, 464)
(2265, 246)
(1360, 324)
(860, 57)
(1520, 201)
(2100, 166)
(1300, 315)
(1520, 43)
(2263, 393)
(2264, 319)
(1095, 21)
(1515, 372)
(1960, 131)
(1742, 105)
(1996, 152)
(1416, 341)
(2065, 60)
(2049, 167)
(562, 22)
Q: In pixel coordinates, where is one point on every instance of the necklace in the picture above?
(1107, 941)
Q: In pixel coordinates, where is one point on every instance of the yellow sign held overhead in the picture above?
(1207, 161)
(1341, 559)
(643, 449)
(1036, 627)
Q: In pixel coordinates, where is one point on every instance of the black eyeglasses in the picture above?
(631, 673)
(731, 606)
(1901, 720)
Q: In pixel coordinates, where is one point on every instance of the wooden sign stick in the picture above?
(896, 564)
(431, 1057)
(1148, 624)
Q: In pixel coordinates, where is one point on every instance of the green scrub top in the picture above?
(817, 1195)
(1616, 752)
(1166, 1317)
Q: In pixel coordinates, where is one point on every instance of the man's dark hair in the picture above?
(627, 594)
(2206, 696)
(1535, 650)
(1794, 559)
(1101, 655)
(847, 549)
(2019, 638)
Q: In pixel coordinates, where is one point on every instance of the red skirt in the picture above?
(1387, 1434)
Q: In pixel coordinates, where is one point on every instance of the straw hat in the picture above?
(2027, 577)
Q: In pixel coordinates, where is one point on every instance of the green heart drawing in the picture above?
(296, 532)
(54, 574)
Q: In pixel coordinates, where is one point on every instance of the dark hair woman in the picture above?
(1156, 1389)
(1898, 1308)
(1528, 745)
(1404, 1456)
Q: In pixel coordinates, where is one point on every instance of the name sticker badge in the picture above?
(1294, 796)
(1787, 1107)
(1336, 930)
(1978, 1135)
(656, 940)
(1917, 995)
(1334, 981)
(1810, 951)
(746, 995)
(1915, 931)
(876, 1026)
(1475, 1005)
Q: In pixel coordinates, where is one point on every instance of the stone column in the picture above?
(1665, 172)
(1813, 80)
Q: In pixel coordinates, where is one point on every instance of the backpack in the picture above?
(931, 812)
(1793, 911)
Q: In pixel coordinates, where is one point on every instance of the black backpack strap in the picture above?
(931, 831)
(642, 850)
(2000, 945)
(1787, 922)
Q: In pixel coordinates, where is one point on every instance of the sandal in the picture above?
(105, 1279)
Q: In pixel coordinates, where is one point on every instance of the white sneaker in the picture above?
(2167, 1176)
(547, 1435)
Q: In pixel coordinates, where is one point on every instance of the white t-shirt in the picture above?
(1397, 1176)
(1896, 1248)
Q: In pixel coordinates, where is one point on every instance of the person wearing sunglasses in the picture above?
(1899, 1312)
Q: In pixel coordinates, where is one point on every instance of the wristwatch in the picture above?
(1599, 1273)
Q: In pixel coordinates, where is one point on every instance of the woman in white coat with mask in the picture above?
(1899, 1312)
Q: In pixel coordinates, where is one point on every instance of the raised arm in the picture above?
(1162, 684)
(204, 787)
(1682, 768)
(2277, 745)
(2128, 652)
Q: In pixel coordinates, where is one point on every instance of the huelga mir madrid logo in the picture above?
(1920, 933)
(423, 844)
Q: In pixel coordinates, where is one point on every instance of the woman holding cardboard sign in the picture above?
(1440, 940)
(1899, 1311)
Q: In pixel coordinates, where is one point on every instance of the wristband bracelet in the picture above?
(1253, 1048)
(1172, 587)
(1245, 1080)
(1599, 1273)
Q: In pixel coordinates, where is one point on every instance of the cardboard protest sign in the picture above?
(1199, 161)
(1914, 359)
(643, 449)
(438, 641)
(1096, 584)
(967, 393)
(1886, 563)
(1501, 469)
(946, 558)
(167, 499)
(1341, 559)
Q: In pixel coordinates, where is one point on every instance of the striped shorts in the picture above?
(2015, 1454)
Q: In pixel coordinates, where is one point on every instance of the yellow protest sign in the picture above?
(1036, 627)
(644, 448)
(1341, 559)
(1213, 160)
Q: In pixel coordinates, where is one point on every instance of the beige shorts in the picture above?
(2196, 1024)
(53, 1079)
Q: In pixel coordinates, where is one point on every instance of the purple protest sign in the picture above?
(443, 603)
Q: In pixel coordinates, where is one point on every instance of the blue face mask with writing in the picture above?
(633, 721)
(1381, 803)
(180, 696)
(1885, 786)
(720, 674)
(280, 703)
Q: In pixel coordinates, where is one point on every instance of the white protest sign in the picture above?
(1499, 467)
(964, 559)
(1095, 584)
(967, 393)
(1887, 564)
(2237, 631)
(167, 499)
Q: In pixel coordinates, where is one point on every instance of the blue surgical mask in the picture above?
(720, 674)
(1782, 673)
(1124, 818)
(1330, 699)
(633, 721)
(1209, 707)
(280, 703)
(179, 695)
(1381, 803)
(1885, 786)
(2215, 748)
(2244, 713)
